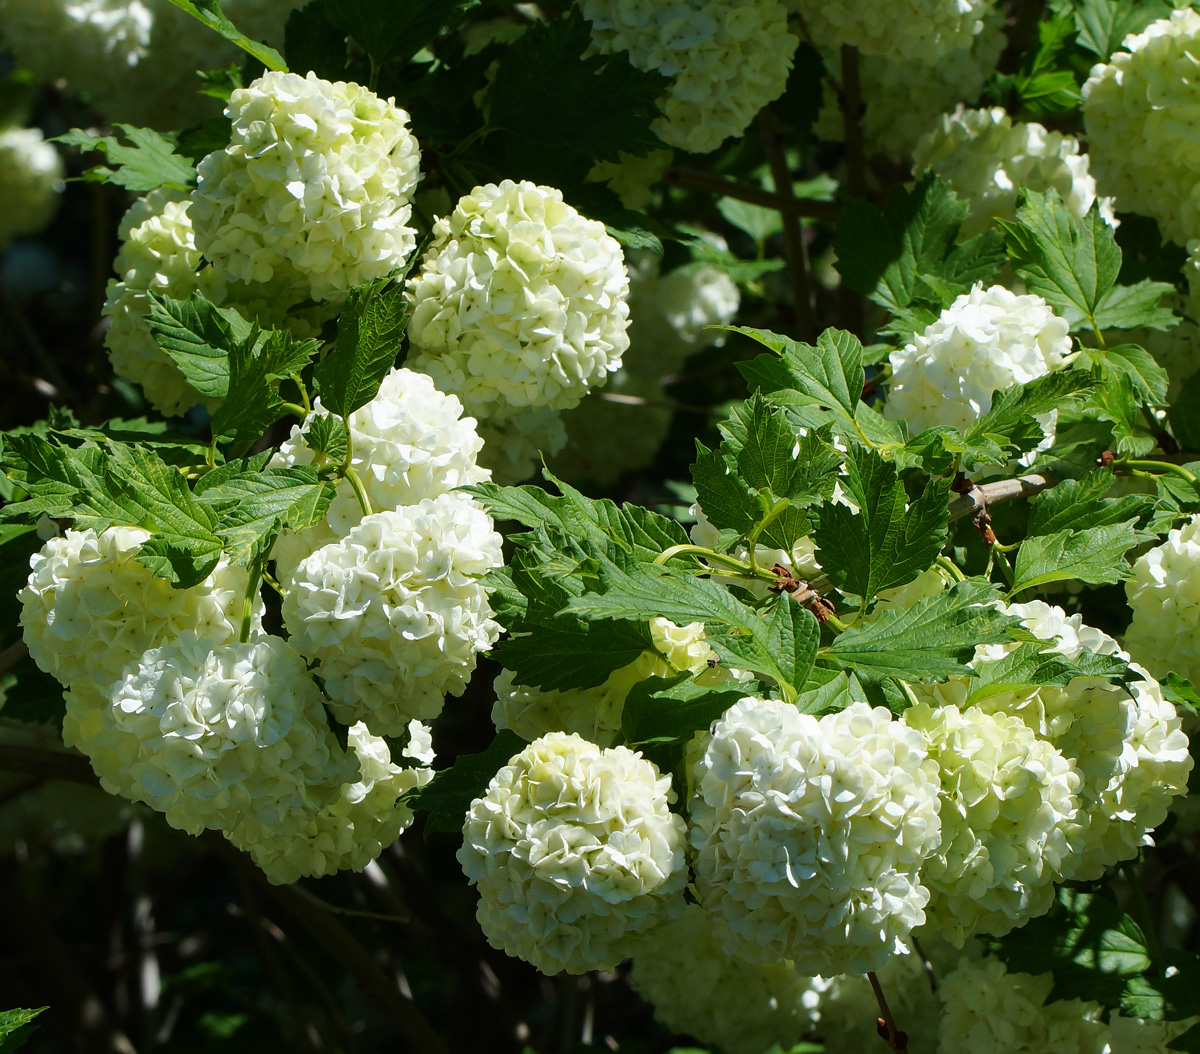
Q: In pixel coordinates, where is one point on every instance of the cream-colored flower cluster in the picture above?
(922, 31)
(810, 834)
(213, 735)
(352, 830)
(989, 159)
(1009, 806)
(396, 611)
(727, 60)
(986, 340)
(520, 302)
(409, 443)
(575, 853)
(1164, 593)
(1133, 108)
(31, 178)
(135, 59)
(1125, 744)
(698, 989)
(314, 186)
(904, 99)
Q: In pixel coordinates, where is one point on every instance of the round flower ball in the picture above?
(221, 734)
(1164, 594)
(31, 178)
(726, 59)
(987, 1010)
(1134, 107)
(520, 302)
(575, 852)
(314, 186)
(681, 969)
(989, 159)
(409, 443)
(904, 99)
(810, 835)
(920, 31)
(396, 612)
(158, 254)
(90, 609)
(986, 340)
(1009, 804)
(353, 829)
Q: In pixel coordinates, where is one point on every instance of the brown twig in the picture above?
(12, 655)
(793, 236)
(710, 182)
(896, 1039)
(48, 764)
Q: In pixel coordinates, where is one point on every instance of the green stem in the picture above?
(772, 514)
(296, 410)
(1129, 867)
(1162, 467)
(953, 568)
(359, 492)
(730, 562)
(256, 573)
(296, 380)
(1005, 566)
(838, 625)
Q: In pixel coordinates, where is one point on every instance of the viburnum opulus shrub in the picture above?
(726, 473)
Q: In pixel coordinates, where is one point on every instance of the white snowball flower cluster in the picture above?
(520, 302)
(410, 442)
(214, 735)
(1134, 108)
(920, 31)
(395, 612)
(355, 827)
(135, 59)
(158, 254)
(575, 852)
(986, 340)
(987, 1010)
(1127, 745)
(682, 970)
(727, 60)
(314, 186)
(988, 159)
(903, 99)
(810, 834)
(31, 178)
(1164, 593)
(1008, 811)
(90, 609)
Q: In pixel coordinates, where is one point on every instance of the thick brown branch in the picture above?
(993, 493)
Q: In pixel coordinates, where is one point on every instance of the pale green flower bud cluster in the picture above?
(1134, 107)
(727, 60)
(921, 32)
(31, 178)
(989, 159)
(904, 99)
(575, 852)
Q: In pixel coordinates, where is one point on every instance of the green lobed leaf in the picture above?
(148, 161)
(448, 796)
(209, 12)
(1117, 401)
(370, 328)
(726, 499)
(1102, 24)
(792, 638)
(328, 435)
(884, 544)
(838, 692)
(1077, 504)
(548, 90)
(16, 1028)
(1148, 378)
(673, 709)
(256, 365)
(930, 641)
(1030, 666)
(1138, 305)
(199, 337)
(1072, 264)
(1184, 414)
(383, 31)
(1095, 555)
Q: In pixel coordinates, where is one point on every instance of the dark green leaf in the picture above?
(673, 708)
(883, 544)
(15, 1028)
(1148, 378)
(199, 337)
(1077, 504)
(1028, 666)
(326, 434)
(1184, 415)
(1103, 24)
(383, 31)
(549, 91)
(209, 12)
(792, 638)
(1139, 305)
(1117, 401)
(1095, 555)
(314, 43)
(835, 694)
(147, 162)
(724, 496)
(448, 796)
(829, 374)
(256, 365)
(370, 328)
(930, 641)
